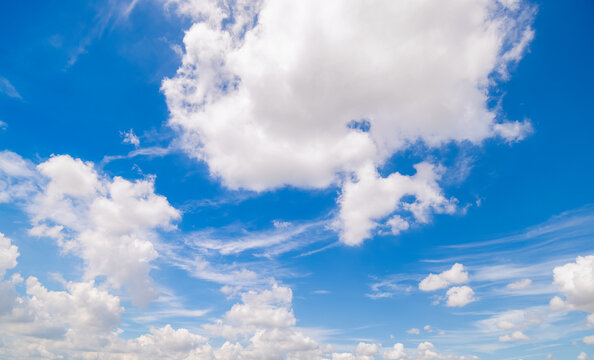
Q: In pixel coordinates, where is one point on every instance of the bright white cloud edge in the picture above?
(322, 93)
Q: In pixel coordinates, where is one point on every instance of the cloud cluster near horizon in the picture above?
(82, 321)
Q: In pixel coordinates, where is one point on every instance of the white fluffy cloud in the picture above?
(520, 284)
(80, 316)
(424, 351)
(265, 319)
(515, 336)
(427, 351)
(268, 309)
(313, 93)
(396, 352)
(459, 296)
(166, 343)
(81, 322)
(457, 274)
(130, 138)
(366, 351)
(576, 282)
(111, 223)
(372, 198)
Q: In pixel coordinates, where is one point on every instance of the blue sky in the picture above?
(315, 180)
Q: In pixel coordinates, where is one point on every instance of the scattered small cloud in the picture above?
(414, 331)
(460, 296)
(321, 292)
(515, 336)
(456, 275)
(8, 89)
(521, 284)
(130, 138)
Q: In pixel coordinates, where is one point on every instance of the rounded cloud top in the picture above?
(313, 93)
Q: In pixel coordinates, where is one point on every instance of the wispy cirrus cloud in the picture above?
(109, 15)
(8, 89)
(540, 264)
(281, 238)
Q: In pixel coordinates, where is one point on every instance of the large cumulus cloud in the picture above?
(315, 93)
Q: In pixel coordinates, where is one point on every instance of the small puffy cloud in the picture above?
(515, 336)
(582, 356)
(576, 281)
(428, 328)
(167, 341)
(557, 304)
(16, 279)
(513, 131)
(130, 138)
(457, 274)
(414, 331)
(459, 296)
(268, 309)
(589, 340)
(397, 224)
(520, 284)
(427, 351)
